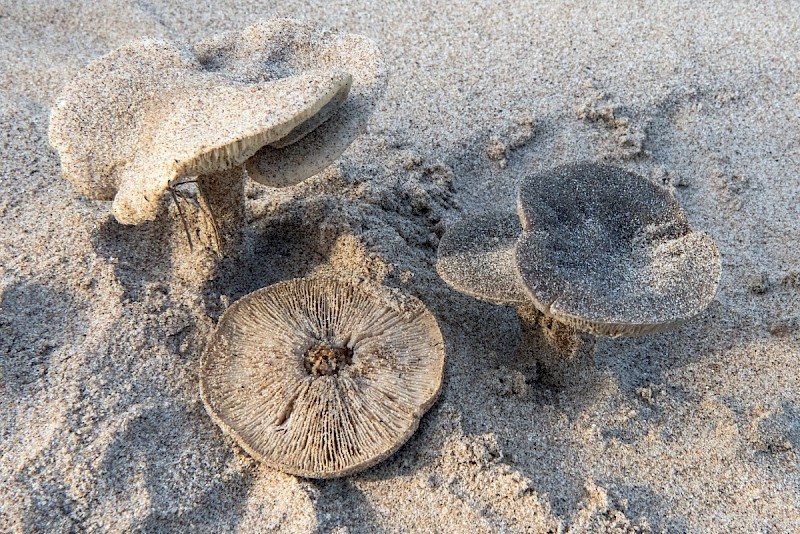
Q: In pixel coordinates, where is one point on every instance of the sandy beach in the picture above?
(102, 325)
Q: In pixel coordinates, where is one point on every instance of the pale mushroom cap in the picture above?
(477, 256)
(150, 112)
(256, 383)
(608, 252)
(96, 120)
(285, 47)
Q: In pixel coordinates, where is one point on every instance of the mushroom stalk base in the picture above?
(222, 205)
(560, 351)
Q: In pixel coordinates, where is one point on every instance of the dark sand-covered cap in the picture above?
(608, 252)
(477, 256)
(151, 111)
(322, 377)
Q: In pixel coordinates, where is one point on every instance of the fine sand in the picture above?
(698, 429)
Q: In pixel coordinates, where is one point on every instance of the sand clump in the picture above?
(601, 513)
(508, 135)
(621, 137)
(476, 466)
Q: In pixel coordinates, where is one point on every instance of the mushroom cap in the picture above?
(257, 383)
(608, 252)
(294, 48)
(149, 112)
(477, 256)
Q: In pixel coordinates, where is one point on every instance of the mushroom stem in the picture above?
(559, 350)
(222, 204)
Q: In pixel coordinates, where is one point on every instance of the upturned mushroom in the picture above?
(322, 377)
(152, 114)
(593, 247)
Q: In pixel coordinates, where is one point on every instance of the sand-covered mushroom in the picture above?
(611, 253)
(322, 377)
(596, 248)
(153, 113)
(477, 256)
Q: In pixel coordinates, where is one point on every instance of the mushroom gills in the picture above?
(322, 377)
(311, 124)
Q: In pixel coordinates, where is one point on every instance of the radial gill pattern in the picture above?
(322, 377)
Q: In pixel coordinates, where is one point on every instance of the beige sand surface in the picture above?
(101, 326)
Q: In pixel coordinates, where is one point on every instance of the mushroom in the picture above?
(595, 248)
(322, 377)
(140, 119)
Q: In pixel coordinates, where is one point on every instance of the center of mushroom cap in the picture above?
(326, 360)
